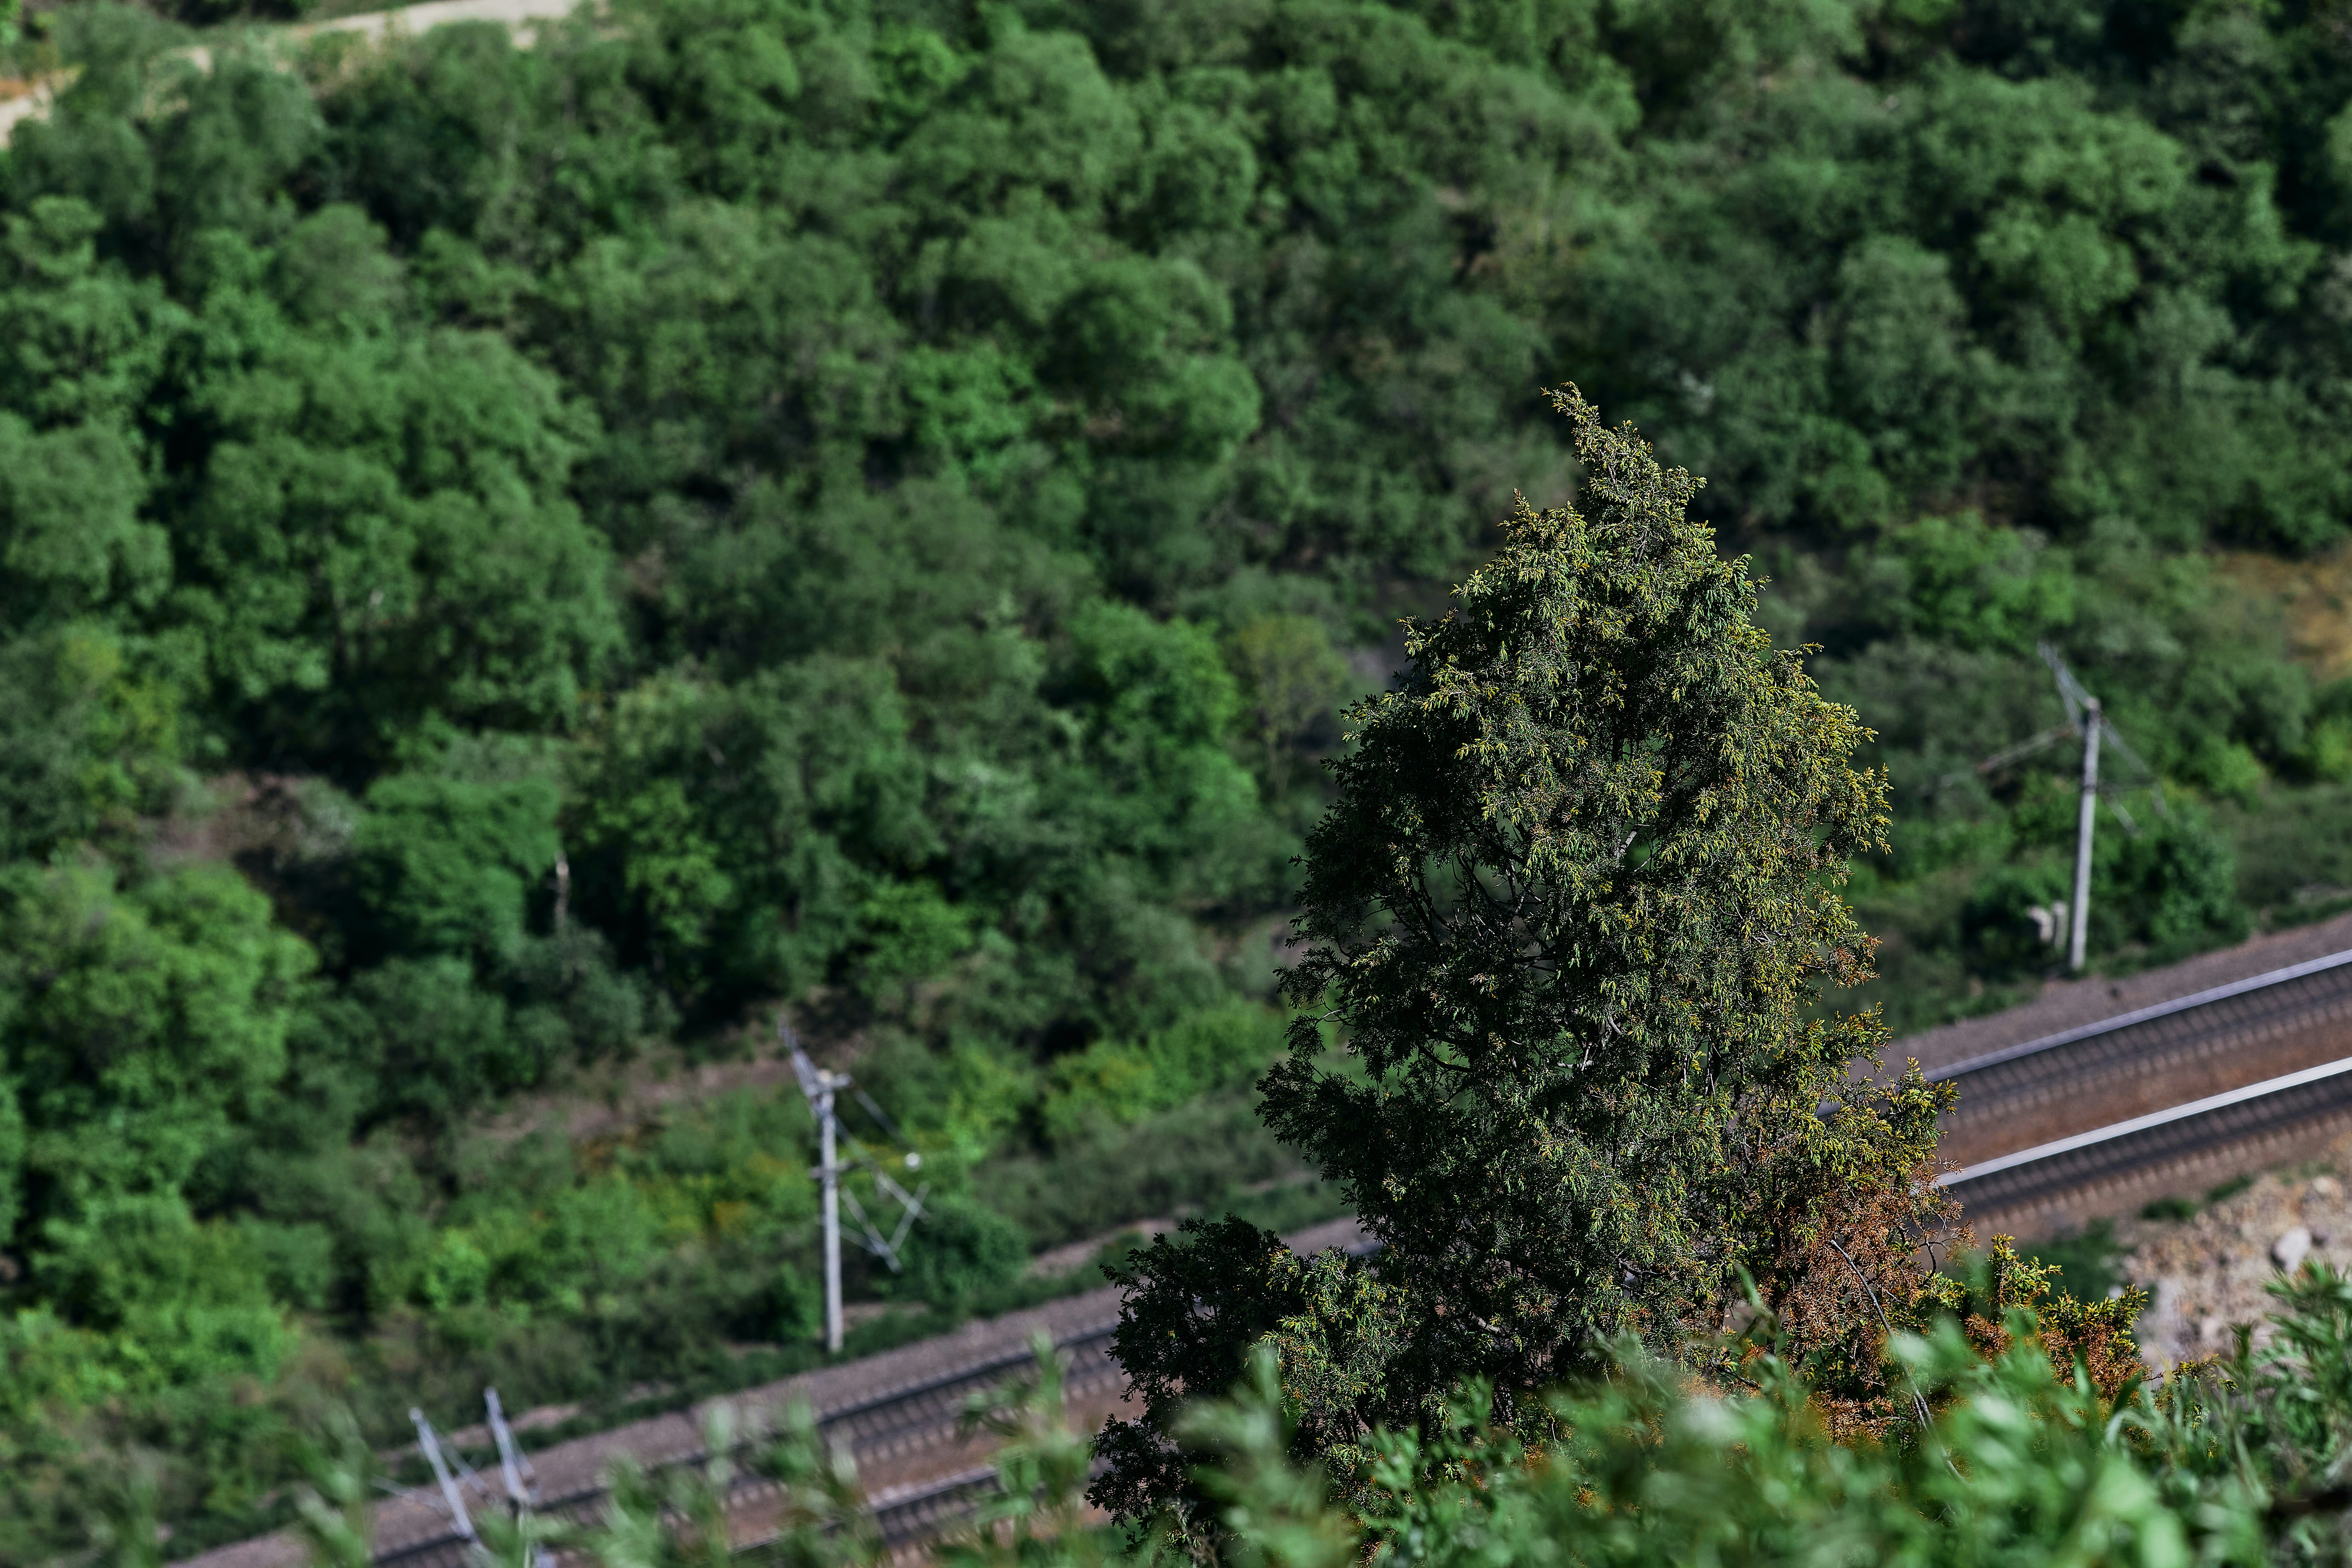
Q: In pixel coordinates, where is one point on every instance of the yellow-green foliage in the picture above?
(1121, 1082)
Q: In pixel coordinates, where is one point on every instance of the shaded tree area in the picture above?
(1579, 884)
(518, 561)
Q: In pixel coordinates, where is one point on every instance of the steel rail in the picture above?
(881, 1425)
(2240, 1116)
(2150, 1039)
(876, 1425)
(2144, 1040)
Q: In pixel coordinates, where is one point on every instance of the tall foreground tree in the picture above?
(1570, 915)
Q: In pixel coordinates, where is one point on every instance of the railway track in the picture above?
(925, 1477)
(2223, 1080)
(2071, 1124)
(897, 1413)
(2258, 1116)
(893, 1425)
(2148, 1059)
(2070, 1119)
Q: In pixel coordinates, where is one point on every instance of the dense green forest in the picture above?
(519, 564)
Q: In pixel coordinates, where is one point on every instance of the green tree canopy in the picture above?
(156, 1012)
(1568, 911)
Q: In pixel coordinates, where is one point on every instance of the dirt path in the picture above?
(522, 16)
(22, 99)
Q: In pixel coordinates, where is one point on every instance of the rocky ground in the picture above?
(2212, 1269)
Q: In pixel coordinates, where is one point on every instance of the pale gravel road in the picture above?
(21, 100)
(520, 14)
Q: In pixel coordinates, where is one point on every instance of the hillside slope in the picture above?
(520, 565)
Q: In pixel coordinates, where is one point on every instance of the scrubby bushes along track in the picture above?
(2230, 1462)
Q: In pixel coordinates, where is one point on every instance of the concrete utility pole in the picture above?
(830, 1168)
(522, 1490)
(2059, 923)
(426, 1440)
(2078, 922)
(820, 1085)
(510, 1462)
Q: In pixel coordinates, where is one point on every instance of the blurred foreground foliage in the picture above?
(2025, 1462)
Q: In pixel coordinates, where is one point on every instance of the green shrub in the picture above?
(449, 866)
(959, 1251)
